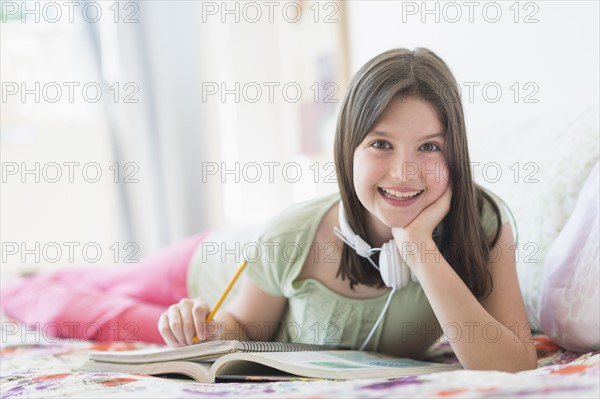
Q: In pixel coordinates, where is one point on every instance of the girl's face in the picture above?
(400, 167)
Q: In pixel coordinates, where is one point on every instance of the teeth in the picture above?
(398, 194)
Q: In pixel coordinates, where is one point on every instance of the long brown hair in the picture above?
(462, 241)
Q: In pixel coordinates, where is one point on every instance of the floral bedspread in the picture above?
(48, 370)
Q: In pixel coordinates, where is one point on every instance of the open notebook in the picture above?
(252, 360)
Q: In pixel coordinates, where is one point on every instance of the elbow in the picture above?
(531, 356)
(528, 362)
(531, 363)
(513, 367)
(506, 368)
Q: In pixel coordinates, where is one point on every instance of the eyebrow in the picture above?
(387, 135)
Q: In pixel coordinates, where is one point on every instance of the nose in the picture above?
(404, 168)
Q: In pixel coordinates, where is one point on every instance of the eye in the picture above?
(430, 147)
(381, 145)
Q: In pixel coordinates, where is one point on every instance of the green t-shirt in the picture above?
(315, 314)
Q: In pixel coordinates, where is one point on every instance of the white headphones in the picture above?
(394, 271)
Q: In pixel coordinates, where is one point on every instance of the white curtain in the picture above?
(155, 118)
(171, 51)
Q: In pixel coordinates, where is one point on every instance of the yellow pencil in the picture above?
(215, 308)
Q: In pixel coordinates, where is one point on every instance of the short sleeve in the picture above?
(265, 267)
(282, 249)
(215, 261)
(274, 252)
(489, 220)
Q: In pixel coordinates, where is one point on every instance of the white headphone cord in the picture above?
(387, 304)
(366, 254)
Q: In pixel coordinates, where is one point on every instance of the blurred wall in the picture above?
(511, 59)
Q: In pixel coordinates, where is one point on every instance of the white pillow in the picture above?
(544, 161)
(570, 303)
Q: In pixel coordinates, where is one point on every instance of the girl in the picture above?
(411, 248)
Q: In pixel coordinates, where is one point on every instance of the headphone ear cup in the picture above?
(385, 265)
(394, 272)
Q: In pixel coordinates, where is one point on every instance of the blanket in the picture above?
(49, 369)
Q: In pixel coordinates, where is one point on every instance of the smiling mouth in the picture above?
(399, 196)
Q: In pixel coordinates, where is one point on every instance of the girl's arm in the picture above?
(490, 335)
(256, 313)
(252, 315)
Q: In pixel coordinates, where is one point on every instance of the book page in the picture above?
(354, 359)
(326, 364)
(198, 371)
(203, 352)
(207, 351)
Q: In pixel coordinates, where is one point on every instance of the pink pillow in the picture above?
(570, 303)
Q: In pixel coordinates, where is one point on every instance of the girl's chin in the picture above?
(398, 222)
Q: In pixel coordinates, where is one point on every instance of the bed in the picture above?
(34, 365)
(40, 367)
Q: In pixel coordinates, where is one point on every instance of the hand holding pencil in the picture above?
(215, 308)
(183, 321)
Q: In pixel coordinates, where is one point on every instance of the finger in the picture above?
(199, 312)
(165, 331)
(211, 331)
(448, 194)
(176, 324)
(430, 216)
(185, 310)
(447, 198)
(440, 207)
